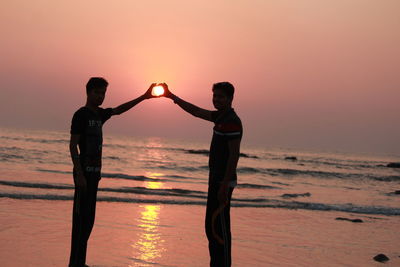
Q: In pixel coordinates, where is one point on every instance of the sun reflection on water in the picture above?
(153, 184)
(150, 243)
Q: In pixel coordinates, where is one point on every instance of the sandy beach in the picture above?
(37, 233)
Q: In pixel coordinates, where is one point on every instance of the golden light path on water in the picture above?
(150, 244)
(154, 184)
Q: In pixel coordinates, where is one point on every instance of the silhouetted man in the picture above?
(85, 148)
(223, 159)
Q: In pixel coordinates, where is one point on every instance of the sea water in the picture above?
(37, 165)
(158, 173)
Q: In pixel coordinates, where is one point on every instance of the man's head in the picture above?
(96, 89)
(223, 95)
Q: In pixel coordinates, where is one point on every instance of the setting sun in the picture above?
(157, 90)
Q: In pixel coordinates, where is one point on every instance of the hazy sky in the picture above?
(319, 74)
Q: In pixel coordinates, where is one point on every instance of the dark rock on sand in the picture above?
(381, 258)
(350, 220)
(393, 165)
(296, 195)
(291, 158)
(397, 192)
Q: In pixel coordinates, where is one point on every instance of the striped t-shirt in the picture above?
(227, 127)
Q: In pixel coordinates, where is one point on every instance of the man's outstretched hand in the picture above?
(148, 94)
(167, 92)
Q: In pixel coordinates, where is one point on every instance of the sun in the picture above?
(157, 90)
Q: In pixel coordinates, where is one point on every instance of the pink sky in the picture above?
(309, 74)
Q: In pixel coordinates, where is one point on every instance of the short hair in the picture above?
(95, 82)
(226, 87)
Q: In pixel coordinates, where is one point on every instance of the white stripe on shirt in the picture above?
(232, 133)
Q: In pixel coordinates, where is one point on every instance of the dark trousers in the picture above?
(83, 215)
(218, 228)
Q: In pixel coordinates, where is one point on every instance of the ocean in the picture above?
(36, 165)
(149, 172)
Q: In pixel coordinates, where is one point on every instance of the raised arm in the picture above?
(128, 105)
(186, 106)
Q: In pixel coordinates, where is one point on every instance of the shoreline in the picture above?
(37, 233)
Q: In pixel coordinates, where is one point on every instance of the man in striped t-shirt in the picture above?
(224, 156)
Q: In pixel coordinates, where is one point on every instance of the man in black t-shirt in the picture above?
(224, 156)
(85, 148)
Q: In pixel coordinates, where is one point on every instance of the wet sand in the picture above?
(37, 233)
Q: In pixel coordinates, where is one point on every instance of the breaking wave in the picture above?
(255, 203)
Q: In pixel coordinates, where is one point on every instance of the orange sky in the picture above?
(308, 74)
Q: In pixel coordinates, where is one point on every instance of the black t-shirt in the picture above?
(227, 127)
(88, 124)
